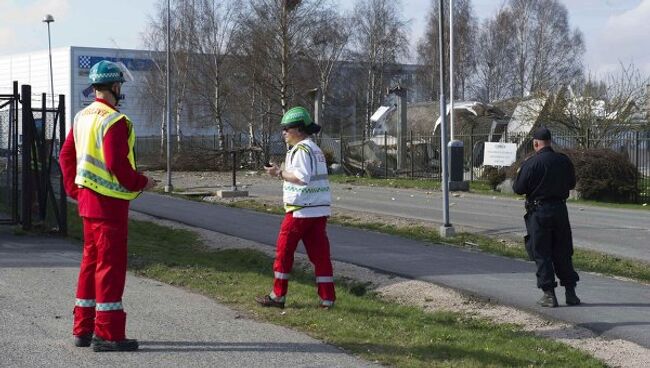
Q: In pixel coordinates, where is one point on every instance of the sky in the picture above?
(615, 31)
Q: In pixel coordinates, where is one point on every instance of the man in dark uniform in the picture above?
(546, 179)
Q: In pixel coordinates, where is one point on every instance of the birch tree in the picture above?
(379, 38)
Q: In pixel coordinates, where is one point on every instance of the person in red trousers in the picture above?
(99, 171)
(307, 199)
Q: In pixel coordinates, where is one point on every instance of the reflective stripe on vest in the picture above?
(90, 127)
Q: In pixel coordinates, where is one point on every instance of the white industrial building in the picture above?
(70, 69)
(71, 66)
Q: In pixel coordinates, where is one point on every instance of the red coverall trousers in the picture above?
(311, 231)
(98, 307)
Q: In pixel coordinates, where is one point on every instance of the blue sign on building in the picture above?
(86, 62)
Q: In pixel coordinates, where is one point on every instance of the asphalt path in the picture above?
(621, 232)
(175, 328)
(613, 308)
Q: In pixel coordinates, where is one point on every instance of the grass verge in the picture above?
(361, 323)
(585, 260)
(477, 187)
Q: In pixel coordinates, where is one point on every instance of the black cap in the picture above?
(542, 133)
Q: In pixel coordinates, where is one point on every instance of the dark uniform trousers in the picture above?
(549, 243)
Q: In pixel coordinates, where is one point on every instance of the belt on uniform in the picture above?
(542, 202)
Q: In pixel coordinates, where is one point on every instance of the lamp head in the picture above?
(48, 18)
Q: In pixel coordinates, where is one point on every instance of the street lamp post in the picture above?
(168, 114)
(456, 149)
(446, 230)
(48, 18)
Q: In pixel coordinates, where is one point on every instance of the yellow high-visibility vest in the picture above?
(90, 127)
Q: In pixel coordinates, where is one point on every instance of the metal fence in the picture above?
(377, 156)
(31, 185)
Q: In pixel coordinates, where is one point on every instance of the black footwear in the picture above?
(83, 341)
(571, 297)
(100, 344)
(267, 301)
(548, 299)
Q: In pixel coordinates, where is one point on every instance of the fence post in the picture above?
(636, 160)
(26, 95)
(63, 202)
(341, 149)
(234, 170)
(13, 128)
(411, 154)
(363, 153)
(385, 156)
(471, 154)
(40, 167)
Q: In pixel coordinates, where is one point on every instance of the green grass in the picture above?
(585, 260)
(476, 186)
(361, 323)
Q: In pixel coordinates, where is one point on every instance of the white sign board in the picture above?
(499, 154)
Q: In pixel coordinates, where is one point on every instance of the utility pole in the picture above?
(168, 114)
(446, 230)
(456, 149)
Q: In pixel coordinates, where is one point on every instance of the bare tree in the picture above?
(547, 53)
(379, 39)
(289, 23)
(600, 110)
(213, 45)
(326, 48)
(183, 29)
(493, 78)
(272, 58)
(465, 45)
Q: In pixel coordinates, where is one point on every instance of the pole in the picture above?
(27, 125)
(168, 114)
(456, 149)
(451, 69)
(49, 19)
(446, 229)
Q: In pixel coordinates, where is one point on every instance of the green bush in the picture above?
(494, 175)
(329, 156)
(602, 174)
(605, 175)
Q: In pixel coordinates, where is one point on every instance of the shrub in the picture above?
(329, 156)
(494, 175)
(605, 175)
(601, 174)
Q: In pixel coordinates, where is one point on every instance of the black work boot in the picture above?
(267, 301)
(83, 341)
(571, 297)
(100, 345)
(548, 299)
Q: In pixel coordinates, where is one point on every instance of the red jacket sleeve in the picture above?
(68, 164)
(116, 151)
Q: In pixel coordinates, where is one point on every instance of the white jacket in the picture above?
(306, 161)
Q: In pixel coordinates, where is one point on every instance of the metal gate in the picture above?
(9, 193)
(31, 137)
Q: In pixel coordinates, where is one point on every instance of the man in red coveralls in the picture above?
(99, 171)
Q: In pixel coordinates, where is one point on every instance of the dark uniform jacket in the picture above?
(545, 177)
